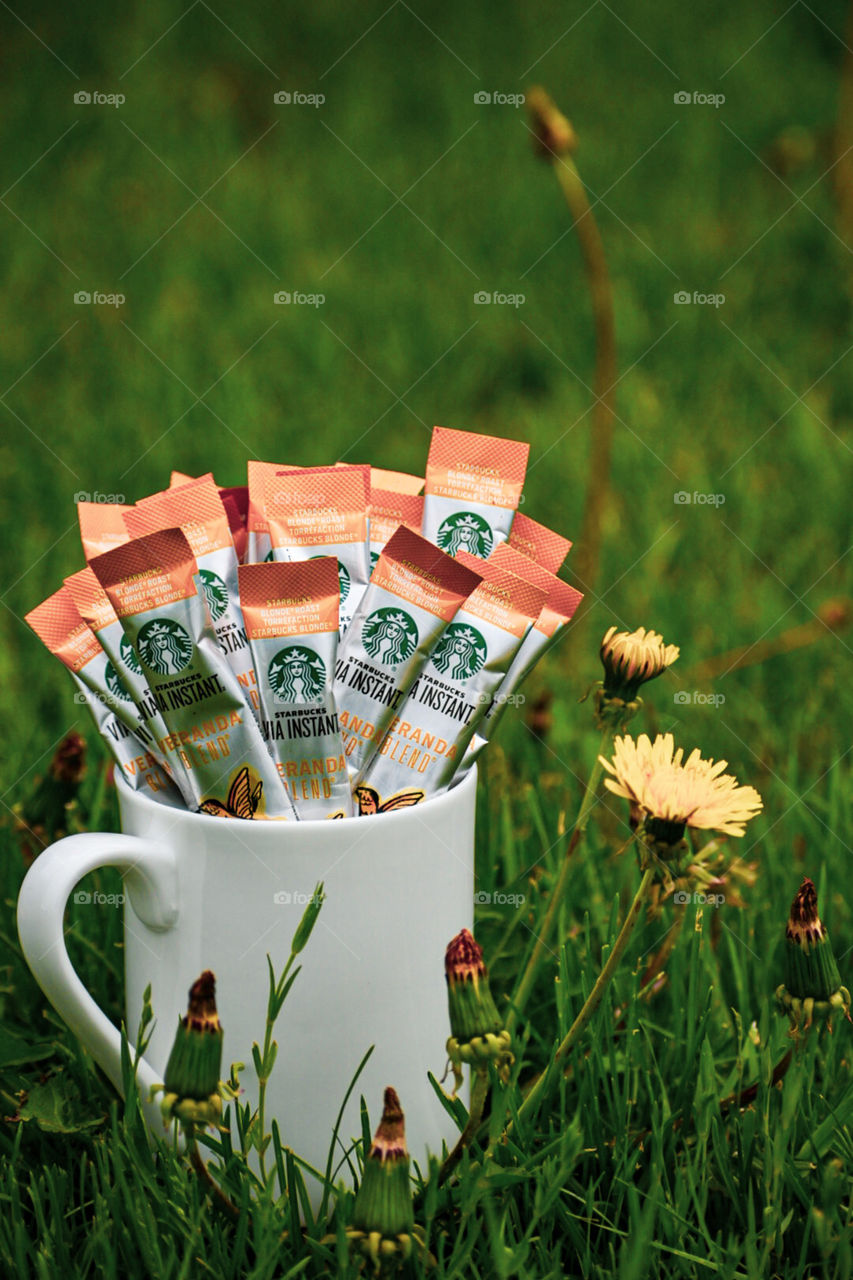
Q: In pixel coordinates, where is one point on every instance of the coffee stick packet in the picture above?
(291, 614)
(59, 626)
(323, 511)
(533, 540)
(212, 739)
(197, 508)
(235, 500)
(427, 739)
(561, 601)
(388, 510)
(95, 608)
(414, 592)
(102, 526)
(258, 541)
(473, 487)
(396, 481)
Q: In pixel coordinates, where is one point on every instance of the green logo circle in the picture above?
(215, 593)
(297, 674)
(461, 652)
(128, 656)
(164, 646)
(466, 531)
(390, 636)
(374, 556)
(114, 684)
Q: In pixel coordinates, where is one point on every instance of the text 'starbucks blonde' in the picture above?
(212, 742)
(473, 487)
(291, 615)
(427, 739)
(414, 592)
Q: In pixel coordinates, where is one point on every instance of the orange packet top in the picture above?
(258, 473)
(148, 572)
(102, 526)
(178, 478)
(414, 569)
(290, 597)
(196, 507)
(542, 545)
(396, 481)
(389, 508)
(561, 600)
(476, 468)
(315, 506)
(502, 597)
(58, 624)
(90, 599)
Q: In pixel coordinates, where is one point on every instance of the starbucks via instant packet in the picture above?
(213, 743)
(291, 615)
(414, 592)
(472, 490)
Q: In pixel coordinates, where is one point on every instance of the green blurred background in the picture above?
(398, 198)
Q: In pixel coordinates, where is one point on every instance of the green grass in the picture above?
(636, 1169)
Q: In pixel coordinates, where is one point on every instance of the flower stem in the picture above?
(593, 1000)
(224, 1202)
(479, 1094)
(558, 893)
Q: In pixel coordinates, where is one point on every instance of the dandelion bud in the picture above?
(554, 135)
(812, 986)
(477, 1031)
(384, 1200)
(630, 659)
(192, 1072)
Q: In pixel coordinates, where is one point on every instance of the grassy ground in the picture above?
(398, 198)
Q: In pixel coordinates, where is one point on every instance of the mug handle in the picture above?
(151, 883)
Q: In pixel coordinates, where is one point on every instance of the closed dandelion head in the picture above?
(382, 1229)
(670, 794)
(191, 1082)
(812, 988)
(552, 132)
(630, 659)
(477, 1031)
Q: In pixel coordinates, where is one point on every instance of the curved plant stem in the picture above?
(593, 1000)
(558, 893)
(585, 560)
(205, 1176)
(479, 1094)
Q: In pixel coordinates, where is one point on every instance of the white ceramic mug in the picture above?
(219, 893)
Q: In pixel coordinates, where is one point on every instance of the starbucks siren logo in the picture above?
(297, 674)
(215, 593)
(390, 636)
(466, 531)
(114, 684)
(374, 556)
(164, 646)
(129, 657)
(461, 652)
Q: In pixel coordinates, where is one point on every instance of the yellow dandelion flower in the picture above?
(671, 793)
